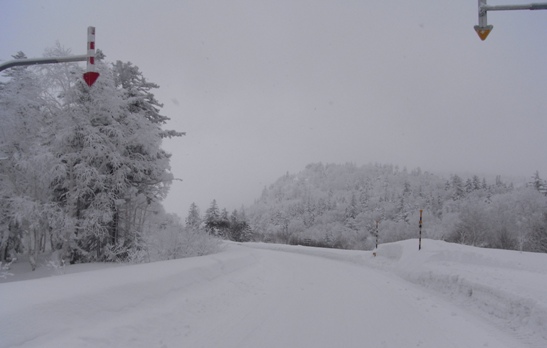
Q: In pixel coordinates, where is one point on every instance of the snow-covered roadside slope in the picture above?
(508, 288)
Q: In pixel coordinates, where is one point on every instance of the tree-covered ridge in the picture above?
(339, 206)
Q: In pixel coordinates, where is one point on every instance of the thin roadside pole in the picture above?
(377, 232)
(420, 239)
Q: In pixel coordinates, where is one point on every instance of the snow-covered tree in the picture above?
(239, 230)
(137, 91)
(538, 183)
(113, 164)
(212, 218)
(25, 170)
(193, 220)
(82, 165)
(538, 236)
(458, 189)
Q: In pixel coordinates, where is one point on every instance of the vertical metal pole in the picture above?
(483, 22)
(420, 240)
(483, 29)
(91, 49)
(377, 222)
(91, 74)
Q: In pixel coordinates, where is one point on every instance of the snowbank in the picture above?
(508, 288)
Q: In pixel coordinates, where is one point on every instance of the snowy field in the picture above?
(262, 295)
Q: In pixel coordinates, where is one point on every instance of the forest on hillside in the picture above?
(345, 206)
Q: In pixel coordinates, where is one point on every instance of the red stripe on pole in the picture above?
(91, 75)
(91, 49)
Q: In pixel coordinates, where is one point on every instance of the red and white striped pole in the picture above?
(91, 75)
(91, 49)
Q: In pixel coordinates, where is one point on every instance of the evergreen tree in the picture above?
(539, 184)
(239, 227)
(25, 170)
(476, 183)
(352, 208)
(139, 100)
(469, 186)
(223, 223)
(111, 166)
(138, 92)
(458, 190)
(212, 217)
(81, 166)
(194, 219)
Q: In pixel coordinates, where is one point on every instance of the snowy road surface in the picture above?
(252, 295)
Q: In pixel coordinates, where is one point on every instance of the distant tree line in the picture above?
(219, 223)
(338, 206)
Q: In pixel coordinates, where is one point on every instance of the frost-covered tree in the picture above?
(476, 183)
(458, 189)
(165, 237)
(193, 220)
(25, 170)
(538, 183)
(137, 91)
(239, 229)
(472, 227)
(212, 218)
(83, 166)
(224, 222)
(538, 236)
(113, 166)
(139, 100)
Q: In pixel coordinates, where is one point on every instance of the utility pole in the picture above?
(483, 29)
(90, 76)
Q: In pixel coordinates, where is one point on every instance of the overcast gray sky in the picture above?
(266, 87)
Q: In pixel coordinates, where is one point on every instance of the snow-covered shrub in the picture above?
(173, 242)
(5, 267)
(56, 264)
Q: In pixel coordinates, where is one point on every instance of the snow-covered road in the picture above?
(250, 295)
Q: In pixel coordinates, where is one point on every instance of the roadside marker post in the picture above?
(91, 75)
(420, 239)
(377, 233)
